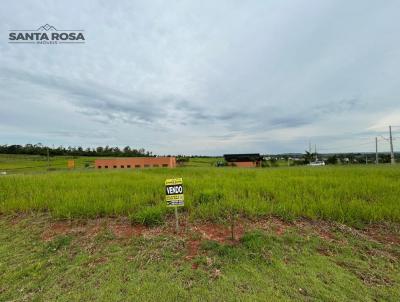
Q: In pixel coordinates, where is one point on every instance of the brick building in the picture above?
(250, 160)
(135, 163)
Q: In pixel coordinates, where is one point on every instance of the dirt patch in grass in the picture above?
(322, 229)
(219, 233)
(122, 229)
(126, 230)
(56, 229)
(326, 230)
(275, 224)
(214, 232)
(90, 228)
(326, 235)
(368, 277)
(384, 233)
(193, 249)
(87, 229)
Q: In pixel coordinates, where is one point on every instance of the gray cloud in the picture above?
(216, 77)
(92, 99)
(79, 134)
(340, 106)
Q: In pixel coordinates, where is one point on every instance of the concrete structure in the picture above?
(251, 160)
(135, 162)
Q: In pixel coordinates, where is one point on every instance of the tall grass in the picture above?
(346, 194)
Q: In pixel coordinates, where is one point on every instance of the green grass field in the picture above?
(85, 263)
(301, 233)
(17, 164)
(352, 195)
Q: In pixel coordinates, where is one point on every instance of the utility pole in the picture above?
(391, 146)
(316, 156)
(48, 159)
(376, 151)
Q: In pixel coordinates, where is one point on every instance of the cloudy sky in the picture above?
(204, 77)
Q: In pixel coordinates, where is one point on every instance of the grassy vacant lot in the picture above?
(302, 234)
(107, 260)
(352, 195)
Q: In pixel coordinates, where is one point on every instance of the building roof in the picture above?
(242, 157)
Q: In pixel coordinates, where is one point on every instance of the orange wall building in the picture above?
(251, 160)
(135, 163)
(246, 164)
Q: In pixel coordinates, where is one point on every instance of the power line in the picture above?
(381, 138)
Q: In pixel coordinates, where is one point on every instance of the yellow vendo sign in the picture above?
(174, 192)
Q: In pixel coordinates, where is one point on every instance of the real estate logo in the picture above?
(46, 34)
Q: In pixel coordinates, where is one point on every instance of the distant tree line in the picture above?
(39, 149)
(358, 158)
(329, 159)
